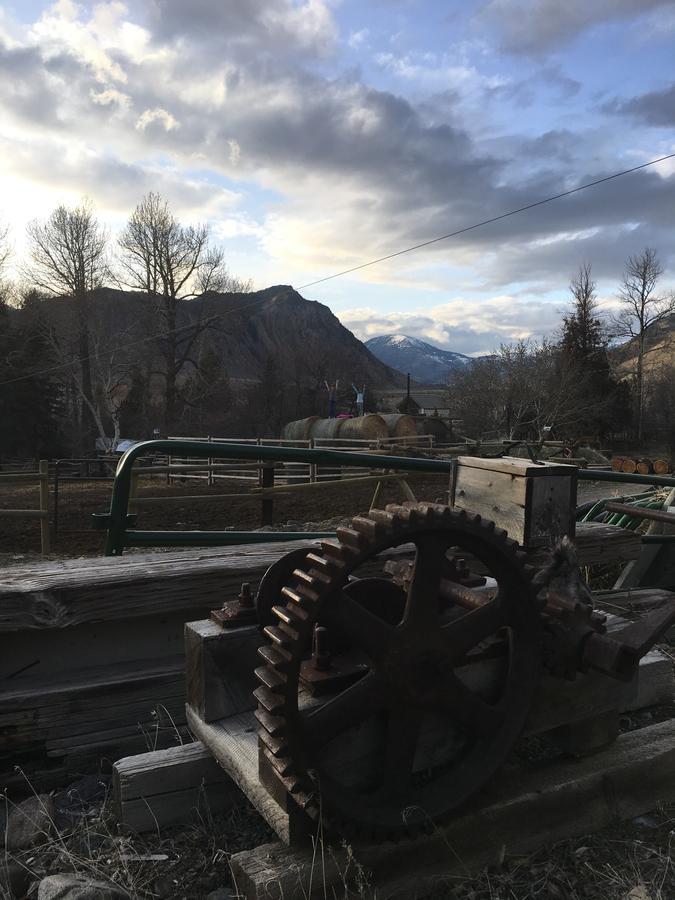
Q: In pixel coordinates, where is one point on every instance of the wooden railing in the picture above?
(42, 512)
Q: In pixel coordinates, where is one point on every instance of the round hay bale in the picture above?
(400, 425)
(364, 428)
(325, 428)
(629, 465)
(616, 463)
(661, 466)
(299, 430)
(643, 467)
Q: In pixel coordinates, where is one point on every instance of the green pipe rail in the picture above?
(119, 524)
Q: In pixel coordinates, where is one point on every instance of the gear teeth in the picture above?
(333, 552)
(382, 517)
(280, 659)
(403, 513)
(300, 603)
(276, 747)
(271, 702)
(282, 765)
(308, 584)
(354, 540)
(271, 678)
(322, 568)
(282, 639)
(370, 528)
(289, 615)
(274, 725)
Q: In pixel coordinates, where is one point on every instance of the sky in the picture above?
(314, 135)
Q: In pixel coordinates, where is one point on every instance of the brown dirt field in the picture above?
(79, 500)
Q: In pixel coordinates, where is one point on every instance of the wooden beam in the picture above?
(63, 593)
(155, 789)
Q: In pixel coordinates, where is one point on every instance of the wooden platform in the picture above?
(520, 812)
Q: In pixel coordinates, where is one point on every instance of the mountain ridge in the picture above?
(424, 362)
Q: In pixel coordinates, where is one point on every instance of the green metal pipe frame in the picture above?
(117, 521)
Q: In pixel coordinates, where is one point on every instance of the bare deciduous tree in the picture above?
(641, 308)
(5, 249)
(69, 257)
(172, 263)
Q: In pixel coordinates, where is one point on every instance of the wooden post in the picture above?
(267, 500)
(44, 506)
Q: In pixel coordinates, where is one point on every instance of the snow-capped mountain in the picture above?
(426, 363)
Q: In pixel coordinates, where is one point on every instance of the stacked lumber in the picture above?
(92, 658)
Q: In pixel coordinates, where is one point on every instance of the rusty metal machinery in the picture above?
(398, 678)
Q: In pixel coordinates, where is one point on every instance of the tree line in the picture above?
(579, 383)
(68, 365)
(76, 369)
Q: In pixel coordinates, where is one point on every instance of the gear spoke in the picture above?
(421, 608)
(343, 711)
(363, 628)
(468, 708)
(461, 635)
(401, 738)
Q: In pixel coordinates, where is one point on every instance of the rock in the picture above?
(221, 894)
(29, 823)
(69, 886)
(639, 892)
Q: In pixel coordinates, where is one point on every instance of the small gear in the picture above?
(422, 736)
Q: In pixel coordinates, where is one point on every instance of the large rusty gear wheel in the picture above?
(411, 693)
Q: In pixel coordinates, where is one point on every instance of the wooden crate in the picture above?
(534, 502)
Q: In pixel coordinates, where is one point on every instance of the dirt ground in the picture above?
(78, 500)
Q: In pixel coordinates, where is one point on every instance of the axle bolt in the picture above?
(245, 596)
(321, 657)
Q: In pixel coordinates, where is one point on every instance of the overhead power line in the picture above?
(511, 212)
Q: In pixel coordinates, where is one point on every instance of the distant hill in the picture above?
(424, 362)
(660, 346)
(269, 331)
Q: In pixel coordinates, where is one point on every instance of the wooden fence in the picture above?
(42, 512)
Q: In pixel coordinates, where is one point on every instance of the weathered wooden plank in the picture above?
(66, 593)
(234, 743)
(155, 789)
(521, 811)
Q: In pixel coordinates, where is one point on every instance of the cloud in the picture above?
(348, 171)
(655, 108)
(164, 118)
(539, 26)
(465, 326)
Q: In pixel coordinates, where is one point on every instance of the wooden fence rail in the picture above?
(42, 512)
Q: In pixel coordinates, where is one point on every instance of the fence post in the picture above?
(267, 500)
(44, 506)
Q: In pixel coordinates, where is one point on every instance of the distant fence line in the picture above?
(39, 479)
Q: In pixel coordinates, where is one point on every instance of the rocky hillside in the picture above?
(660, 344)
(424, 362)
(273, 331)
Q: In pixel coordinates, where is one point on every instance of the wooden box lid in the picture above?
(515, 465)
